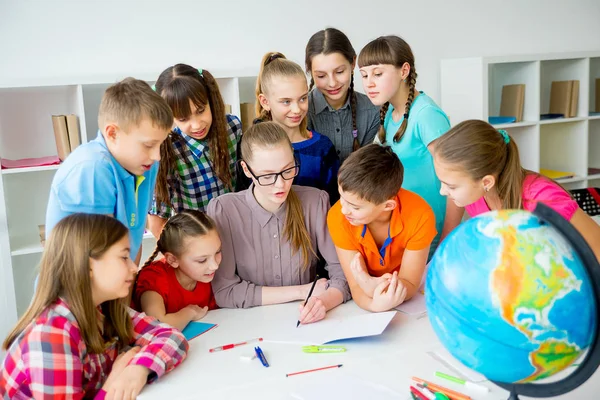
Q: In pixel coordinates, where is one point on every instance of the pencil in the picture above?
(309, 293)
(312, 370)
(436, 388)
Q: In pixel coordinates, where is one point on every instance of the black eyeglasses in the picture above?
(270, 179)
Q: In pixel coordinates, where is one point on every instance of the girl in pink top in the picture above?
(479, 169)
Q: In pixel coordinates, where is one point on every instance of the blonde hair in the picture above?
(65, 273)
(274, 65)
(391, 50)
(130, 101)
(269, 135)
(478, 149)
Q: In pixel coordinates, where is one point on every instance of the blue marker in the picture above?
(261, 356)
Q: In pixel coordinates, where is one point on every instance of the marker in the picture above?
(436, 388)
(323, 349)
(468, 385)
(232, 345)
(418, 394)
(261, 356)
(312, 370)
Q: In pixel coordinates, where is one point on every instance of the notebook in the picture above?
(512, 102)
(553, 174)
(560, 97)
(195, 329)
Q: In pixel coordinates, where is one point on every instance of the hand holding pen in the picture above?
(313, 309)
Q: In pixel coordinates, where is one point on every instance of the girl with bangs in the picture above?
(198, 159)
(410, 123)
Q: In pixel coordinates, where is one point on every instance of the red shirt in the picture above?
(160, 277)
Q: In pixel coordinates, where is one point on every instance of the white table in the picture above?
(389, 359)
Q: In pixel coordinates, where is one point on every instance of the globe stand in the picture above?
(592, 358)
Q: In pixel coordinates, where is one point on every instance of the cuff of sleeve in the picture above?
(257, 296)
(154, 363)
(342, 286)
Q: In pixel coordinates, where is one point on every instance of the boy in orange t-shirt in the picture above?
(381, 232)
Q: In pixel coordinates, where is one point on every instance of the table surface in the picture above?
(389, 359)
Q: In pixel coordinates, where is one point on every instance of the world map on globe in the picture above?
(508, 296)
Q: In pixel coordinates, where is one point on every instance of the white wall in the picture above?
(65, 39)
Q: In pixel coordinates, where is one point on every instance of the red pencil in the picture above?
(312, 370)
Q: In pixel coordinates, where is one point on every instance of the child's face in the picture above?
(202, 257)
(331, 74)
(264, 163)
(198, 124)
(138, 149)
(287, 100)
(457, 185)
(362, 212)
(381, 82)
(113, 274)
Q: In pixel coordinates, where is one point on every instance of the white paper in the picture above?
(335, 328)
(415, 306)
(442, 355)
(346, 387)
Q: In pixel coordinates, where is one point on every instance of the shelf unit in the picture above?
(26, 132)
(471, 88)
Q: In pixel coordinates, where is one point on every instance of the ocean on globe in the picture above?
(508, 296)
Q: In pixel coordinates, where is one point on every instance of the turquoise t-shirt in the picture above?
(426, 123)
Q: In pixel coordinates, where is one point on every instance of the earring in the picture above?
(485, 188)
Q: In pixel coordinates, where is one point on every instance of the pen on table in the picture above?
(312, 370)
(437, 388)
(418, 394)
(309, 293)
(261, 356)
(468, 385)
(232, 345)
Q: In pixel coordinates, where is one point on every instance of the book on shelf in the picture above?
(554, 174)
(29, 162)
(564, 96)
(593, 171)
(42, 231)
(247, 111)
(597, 95)
(61, 136)
(227, 108)
(73, 131)
(512, 101)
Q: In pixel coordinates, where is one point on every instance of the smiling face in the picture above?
(198, 123)
(201, 257)
(381, 82)
(287, 100)
(112, 274)
(332, 74)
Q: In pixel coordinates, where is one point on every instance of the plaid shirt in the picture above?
(195, 182)
(50, 360)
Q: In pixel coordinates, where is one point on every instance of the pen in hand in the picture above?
(309, 293)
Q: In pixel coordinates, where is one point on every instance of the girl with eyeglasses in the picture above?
(272, 233)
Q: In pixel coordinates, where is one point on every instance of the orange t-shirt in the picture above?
(412, 227)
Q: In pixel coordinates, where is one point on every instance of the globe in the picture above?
(508, 295)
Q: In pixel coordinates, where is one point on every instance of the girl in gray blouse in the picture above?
(349, 119)
(272, 232)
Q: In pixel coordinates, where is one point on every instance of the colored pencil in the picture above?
(312, 370)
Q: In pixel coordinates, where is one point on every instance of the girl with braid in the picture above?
(198, 159)
(282, 97)
(177, 288)
(335, 110)
(410, 122)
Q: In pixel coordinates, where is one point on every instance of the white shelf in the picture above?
(515, 124)
(27, 249)
(562, 120)
(29, 169)
(593, 117)
(572, 179)
(593, 177)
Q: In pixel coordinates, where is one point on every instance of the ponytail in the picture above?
(510, 179)
(382, 112)
(295, 230)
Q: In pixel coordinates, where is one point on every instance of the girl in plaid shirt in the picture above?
(198, 160)
(72, 341)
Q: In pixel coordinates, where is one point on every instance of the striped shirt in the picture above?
(337, 124)
(49, 359)
(196, 182)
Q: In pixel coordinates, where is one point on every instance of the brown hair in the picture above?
(178, 85)
(186, 224)
(477, 148)
(391, 50)
(268, 135)
(330, 41)
(65, 273)
(373, 173)
(131, 100)
(274, 65)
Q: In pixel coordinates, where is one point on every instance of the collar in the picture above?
(320, 104)
(394, 229)
(122, 172)
(197, 147)
(260, 214)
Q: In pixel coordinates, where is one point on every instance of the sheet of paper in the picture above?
(334, 328)
(415, 306)
(344, 386)
(194, 329)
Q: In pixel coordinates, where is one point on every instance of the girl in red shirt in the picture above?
(176, 289)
